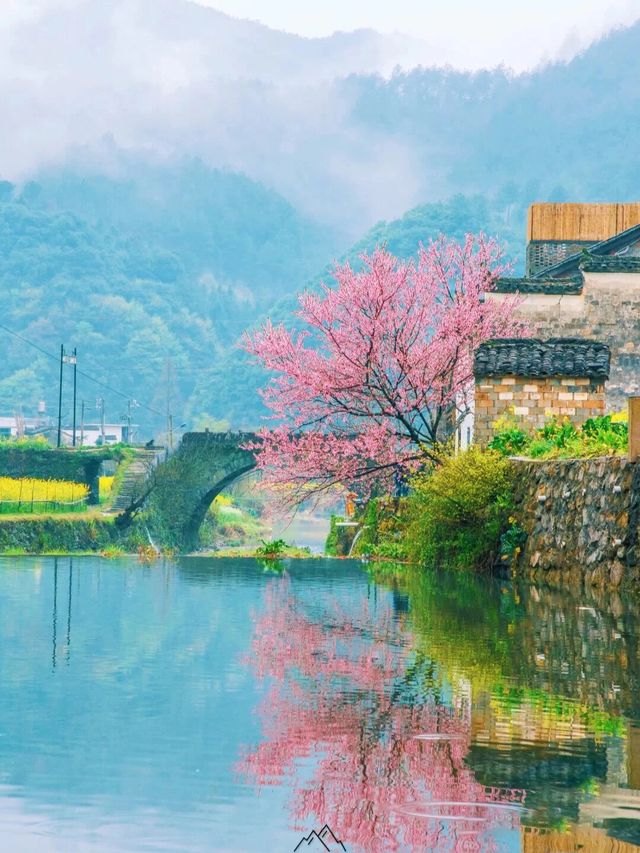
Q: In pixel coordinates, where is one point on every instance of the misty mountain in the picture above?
(222, 226)
(89, 83)
(178, 174)
(87, 80)
(567, 127)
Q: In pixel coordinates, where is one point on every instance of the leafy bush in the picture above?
(512, 540)
(510, 441)
(599, 436)
(457, 512)
(271, 550)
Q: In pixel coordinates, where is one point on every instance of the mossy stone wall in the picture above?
(64, 535)
(581, 517)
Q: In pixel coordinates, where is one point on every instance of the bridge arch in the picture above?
(178, 491)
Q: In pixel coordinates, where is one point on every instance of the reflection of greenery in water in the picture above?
(555, 712)
(271, 566)
(462, 622)
(551, 680)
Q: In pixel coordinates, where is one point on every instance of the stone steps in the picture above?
(133, 478)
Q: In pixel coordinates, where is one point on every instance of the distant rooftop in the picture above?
(565, 240)
(535, 358)
(550, 286)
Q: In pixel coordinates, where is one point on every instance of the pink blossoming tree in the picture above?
(382, 368)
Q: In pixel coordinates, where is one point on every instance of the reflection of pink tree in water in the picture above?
(388, 762)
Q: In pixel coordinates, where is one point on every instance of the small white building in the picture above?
(92, 434)
(17, 426)
(87, 435)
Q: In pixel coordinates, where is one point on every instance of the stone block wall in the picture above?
(607, 310)
(581, 517)
(534, 401)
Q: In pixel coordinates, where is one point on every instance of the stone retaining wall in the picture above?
(581, 517)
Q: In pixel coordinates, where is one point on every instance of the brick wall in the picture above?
(533, 401)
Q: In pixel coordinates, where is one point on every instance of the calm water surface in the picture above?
(212, 706)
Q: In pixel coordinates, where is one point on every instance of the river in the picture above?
(217, 705)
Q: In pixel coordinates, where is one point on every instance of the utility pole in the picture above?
(101, 407)
(82, 424)
(60, 396)
(169, 416)
(74, 361)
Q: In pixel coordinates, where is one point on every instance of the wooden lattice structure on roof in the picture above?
(556, 231)
(588, 223)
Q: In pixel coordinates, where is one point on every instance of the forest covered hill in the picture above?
(151, 238)
(151, 279)
(154, 281)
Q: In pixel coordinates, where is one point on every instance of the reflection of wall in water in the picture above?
(563, 640)
(583, 838)
(553, 774)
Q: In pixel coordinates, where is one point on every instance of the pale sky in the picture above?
(470, 33)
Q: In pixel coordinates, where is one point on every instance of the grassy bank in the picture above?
(60, 534)
(291, 551)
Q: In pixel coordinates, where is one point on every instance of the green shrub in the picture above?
(512, 540)
(331, 542)
(272, 550)
(457, 512)
(559, 438)
(510, 441)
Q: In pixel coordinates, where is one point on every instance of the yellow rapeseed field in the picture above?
(18, 495)
(106, 484)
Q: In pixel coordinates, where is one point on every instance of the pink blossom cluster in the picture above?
(382, 368)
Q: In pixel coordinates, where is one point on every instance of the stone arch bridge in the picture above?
(179, 490)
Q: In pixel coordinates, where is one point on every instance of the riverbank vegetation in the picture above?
(455, 515)
(233, 523)
(64, 534)
(461, 513)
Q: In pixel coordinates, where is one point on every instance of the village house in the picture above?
(580, 299)
(534, 380)
(582, 280)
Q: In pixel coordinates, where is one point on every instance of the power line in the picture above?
(81, 372)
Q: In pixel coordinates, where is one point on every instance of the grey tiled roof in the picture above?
(567, 286)
(532, 357)
(610, 263)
